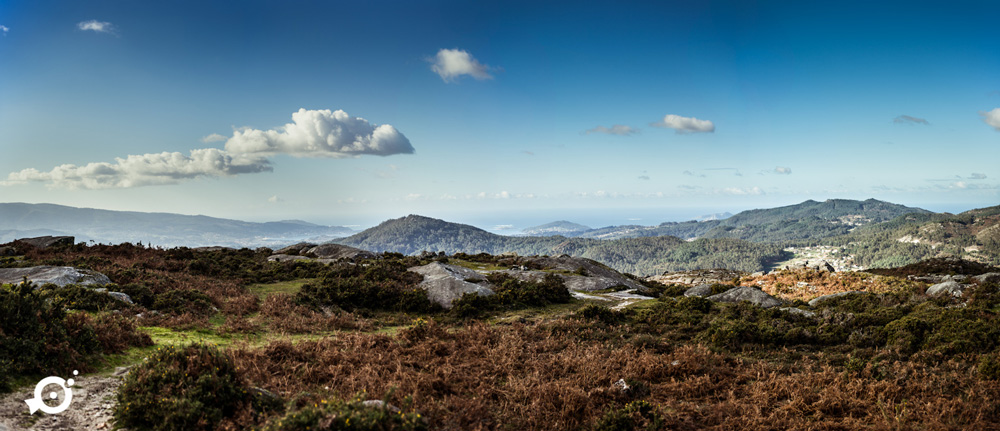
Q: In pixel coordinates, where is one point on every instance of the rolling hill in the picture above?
(18, 220)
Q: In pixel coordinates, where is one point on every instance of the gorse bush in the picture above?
(183, 301)
(383, 284)
(352, 415)
(511, 294)
(195, 387)
(82, 298)
(37, 336)
(635, 416)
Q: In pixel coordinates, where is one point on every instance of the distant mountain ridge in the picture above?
(19, 220)
(809, 219)
(561, 227)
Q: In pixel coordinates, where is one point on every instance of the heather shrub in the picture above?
(353, 415)
(37, 337)
(183, 301)
(195, 387)
(636, 415)
(599, 313)
(139, 293)
(81, 298)
(989, 367)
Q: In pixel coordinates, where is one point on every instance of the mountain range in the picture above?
(868, 233)
(19, 220)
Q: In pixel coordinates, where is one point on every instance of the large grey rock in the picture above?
(951, 287)
(285, 258)
(42, 242)
(295, 248)
(379, 404)
(701, 290)
(819, 299)
(123, 297)
(750, 294)
(446, 283)
(58, 275)
(816, 265)
(799, 311)
(989, 277)
(697, 277)
(337, 251)
(580, 283)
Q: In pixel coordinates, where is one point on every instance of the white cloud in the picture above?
(977, 176)
(97, 26)
(144, 170)
(215, 137)
(741, 191)
(906, 119)
(992, 118)
(4, 29)
(413, 196)
(683, 125)
(781, 170)
(322, 133)
(644, 177)
(450, 64)
(274, 199)
(503, 227)
(617, 129)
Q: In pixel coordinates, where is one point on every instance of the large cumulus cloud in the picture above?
(322, 133)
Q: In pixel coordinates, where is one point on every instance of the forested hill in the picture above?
(809, 219)
(973, 235)
(640, 256)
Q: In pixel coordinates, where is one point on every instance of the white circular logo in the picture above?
(38, 403)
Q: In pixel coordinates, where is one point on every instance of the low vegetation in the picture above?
(357, 345)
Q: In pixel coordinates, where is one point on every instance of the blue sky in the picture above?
(483, 112)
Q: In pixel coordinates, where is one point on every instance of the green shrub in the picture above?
(183, 301)
(194, 387)
(472, 305)
(351, 415)
(694, 303)
(139, 293)
(636, 415)
(989, 367)
(76, 297)
(36, 337)
(599, 313)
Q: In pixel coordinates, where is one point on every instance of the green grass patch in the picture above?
(290, 287)
(476, 266)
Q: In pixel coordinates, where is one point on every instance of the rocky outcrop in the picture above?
(989, 277)
(295, 249)
(950, 287)
(58, 275)
(701, 276)
(446, 283)
(820, 299)
(577, 273)
(337, 251)
(817, 265)
(701, 290)
(751, 294)
(43, 242)
(285, 258)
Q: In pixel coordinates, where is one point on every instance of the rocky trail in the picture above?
(90, 408)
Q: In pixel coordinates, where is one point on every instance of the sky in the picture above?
(500, 113)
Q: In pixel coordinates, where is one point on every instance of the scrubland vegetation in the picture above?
(298, 345)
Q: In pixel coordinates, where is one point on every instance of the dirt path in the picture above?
(93, 398)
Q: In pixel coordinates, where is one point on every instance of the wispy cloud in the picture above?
(96, 26)
(684, 125)
(781, 170)
(741, 191)
(977, 176)
(992, 118)
(321, 133)
(906, 119)
(617, 129)
(274, 199)
(4, 29)
(144, 170)
(644, 177)
(215, 137)
(450, 64)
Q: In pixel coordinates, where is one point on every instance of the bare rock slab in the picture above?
(58, 275)
(750, 294)
(446, 283)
